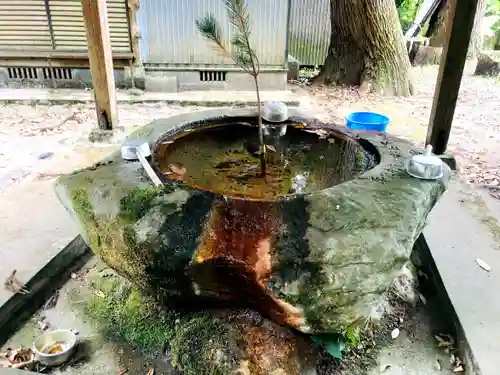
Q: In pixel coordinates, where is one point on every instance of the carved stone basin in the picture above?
(320, 261)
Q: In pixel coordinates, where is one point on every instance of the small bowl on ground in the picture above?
(367, 121)
(53, 348)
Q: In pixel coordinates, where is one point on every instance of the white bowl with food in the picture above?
(53, 348)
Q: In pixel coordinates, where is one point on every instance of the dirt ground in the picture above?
(475, 137)
(40, 141)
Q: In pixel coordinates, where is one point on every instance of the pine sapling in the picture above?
(239, 50)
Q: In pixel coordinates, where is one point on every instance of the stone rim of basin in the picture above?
(162, 144)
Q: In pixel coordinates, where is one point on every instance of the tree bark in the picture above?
(367, 48)
(437, 31)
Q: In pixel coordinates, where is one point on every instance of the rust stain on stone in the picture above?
(234, 258)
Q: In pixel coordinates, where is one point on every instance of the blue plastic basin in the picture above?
(368, 121)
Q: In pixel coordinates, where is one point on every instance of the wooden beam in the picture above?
(95, 15)
(461, 19)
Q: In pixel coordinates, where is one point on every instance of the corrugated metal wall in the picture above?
(69, 26)
(309, 36)
(25, 26)
(169, 35)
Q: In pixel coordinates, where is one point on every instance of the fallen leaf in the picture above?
(437, 365)
(458, 369)
(43, 325)
(270, 148)
(423, 299)
(332, 343)
(442, 342)
(395, 333)
(485, 266)
(385, 367)
(423, 274)
(14, 285)
(177, 169)
(99, 293)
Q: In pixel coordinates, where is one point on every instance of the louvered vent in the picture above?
(22, 73)
(212, 76)
(57, 73)
(69, 27)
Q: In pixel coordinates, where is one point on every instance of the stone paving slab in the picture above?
(461, 229)
(205, 98)
(35, 227)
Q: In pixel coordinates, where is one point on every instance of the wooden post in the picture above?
(461, 21)
(95, 15)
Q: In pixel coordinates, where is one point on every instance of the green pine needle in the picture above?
(241, 52)
(209, 28)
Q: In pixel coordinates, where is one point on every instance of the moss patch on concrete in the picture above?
(122, 312)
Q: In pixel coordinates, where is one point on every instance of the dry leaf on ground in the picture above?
(395, 333)
(485, 266)
(385, 367)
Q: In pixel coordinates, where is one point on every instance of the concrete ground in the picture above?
(414, 352)
(207, 98)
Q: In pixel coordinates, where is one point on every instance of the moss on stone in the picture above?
(205, 335)
(137, 202)
(85, 213)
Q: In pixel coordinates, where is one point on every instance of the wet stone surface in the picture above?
(320, 262)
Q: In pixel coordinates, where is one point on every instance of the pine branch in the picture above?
(238, 15)
(209, 28)
(240, 19)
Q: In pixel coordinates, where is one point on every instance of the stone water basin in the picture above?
(320, 262)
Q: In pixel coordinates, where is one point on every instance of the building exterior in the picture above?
(174, 54)
(45, 40)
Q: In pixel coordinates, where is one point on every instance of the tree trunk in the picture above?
(367, 48)
(438, 27)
